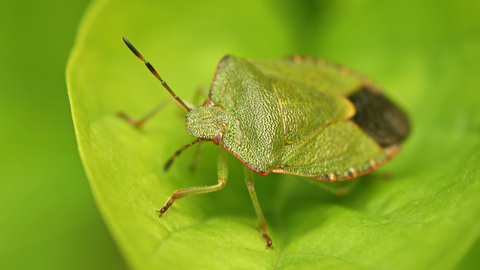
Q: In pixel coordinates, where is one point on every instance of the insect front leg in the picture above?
(141, 121)
(261, 219)
(222, 181)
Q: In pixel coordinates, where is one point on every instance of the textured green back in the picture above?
(305, 111)
(255, 131)
(269, 114)
(339, 149)
(313, 73)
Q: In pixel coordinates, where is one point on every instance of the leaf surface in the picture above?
(420, 211)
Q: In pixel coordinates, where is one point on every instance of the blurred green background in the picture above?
(49, 219)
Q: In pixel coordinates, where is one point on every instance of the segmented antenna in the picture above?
(154, 72)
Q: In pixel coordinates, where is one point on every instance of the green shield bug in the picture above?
(297, 115)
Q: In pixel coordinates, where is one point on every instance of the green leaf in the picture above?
(420, 211)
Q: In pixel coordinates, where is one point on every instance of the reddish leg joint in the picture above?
(167, 205)
(265, 236)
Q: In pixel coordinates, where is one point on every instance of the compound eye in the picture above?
(208, 102)
(218, 138)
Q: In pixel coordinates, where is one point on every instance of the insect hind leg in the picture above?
(338, 188)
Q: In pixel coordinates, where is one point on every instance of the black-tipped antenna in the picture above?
(167, 165)
(154, 72)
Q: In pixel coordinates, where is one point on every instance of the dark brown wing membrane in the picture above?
(379, 117)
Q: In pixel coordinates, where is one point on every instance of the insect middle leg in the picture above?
(196, 157)
(200, 94)
(261, 219)
(222, 181)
